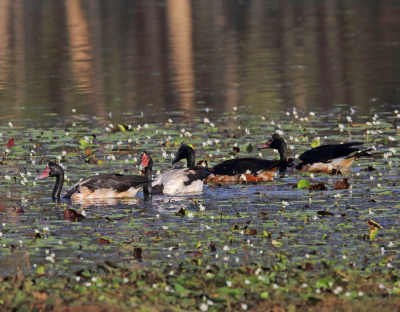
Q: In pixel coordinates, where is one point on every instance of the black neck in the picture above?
(147, 187)
(58, 186)
(283, 153)
(191, 160)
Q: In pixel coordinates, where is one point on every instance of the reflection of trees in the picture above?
(122, 55)
(4, 42)
(179, 19)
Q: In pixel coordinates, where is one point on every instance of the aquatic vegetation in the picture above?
(303, 241)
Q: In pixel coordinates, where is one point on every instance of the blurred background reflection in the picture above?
(179, 55)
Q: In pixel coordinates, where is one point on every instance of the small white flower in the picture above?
(202, 208)
(247, 282)
(311, 176)
(275, 286)
(190, 215)
(204, 307)
(228, 283)
(226, 248)
(244, 306)
(78, 278)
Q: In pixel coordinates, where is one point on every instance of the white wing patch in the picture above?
(174, 179)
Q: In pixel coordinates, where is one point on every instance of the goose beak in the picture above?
(44, 174)
(264, 145)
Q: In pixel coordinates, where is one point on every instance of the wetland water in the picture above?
(215, 74)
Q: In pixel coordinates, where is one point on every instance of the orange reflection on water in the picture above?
(4, 41)
(80, 48)
(180, 34)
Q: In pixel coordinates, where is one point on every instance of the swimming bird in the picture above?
(324, 158)
(249, 169)
(98, 186)
(180, 180)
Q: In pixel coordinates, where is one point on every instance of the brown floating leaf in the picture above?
(236, 227)
(41, 296)
(318, 187)
(72, 215)
(181, 212)
(203, 163)
(20, 210)
(309, 266)
(325, 213)
(103, 241)
(198, 254)
(373, 225)
(88, 152)
(236, 149)
(137, 253)
(369, 168)
(2, 208)
(213, 246)
(251, 232)
(344, 184)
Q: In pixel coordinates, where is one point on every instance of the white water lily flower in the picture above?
(226, 248)
(243, 177)
(202, 208)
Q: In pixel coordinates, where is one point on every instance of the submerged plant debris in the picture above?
(300, 243)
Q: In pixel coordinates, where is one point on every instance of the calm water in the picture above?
(180, 55)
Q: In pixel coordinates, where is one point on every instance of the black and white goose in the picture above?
(249, 169)
(177, 181)
(98, 186)
(324, 158)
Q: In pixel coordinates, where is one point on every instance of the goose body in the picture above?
(249, 169)
(99, 186)
(177, 181)
(326, 157)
